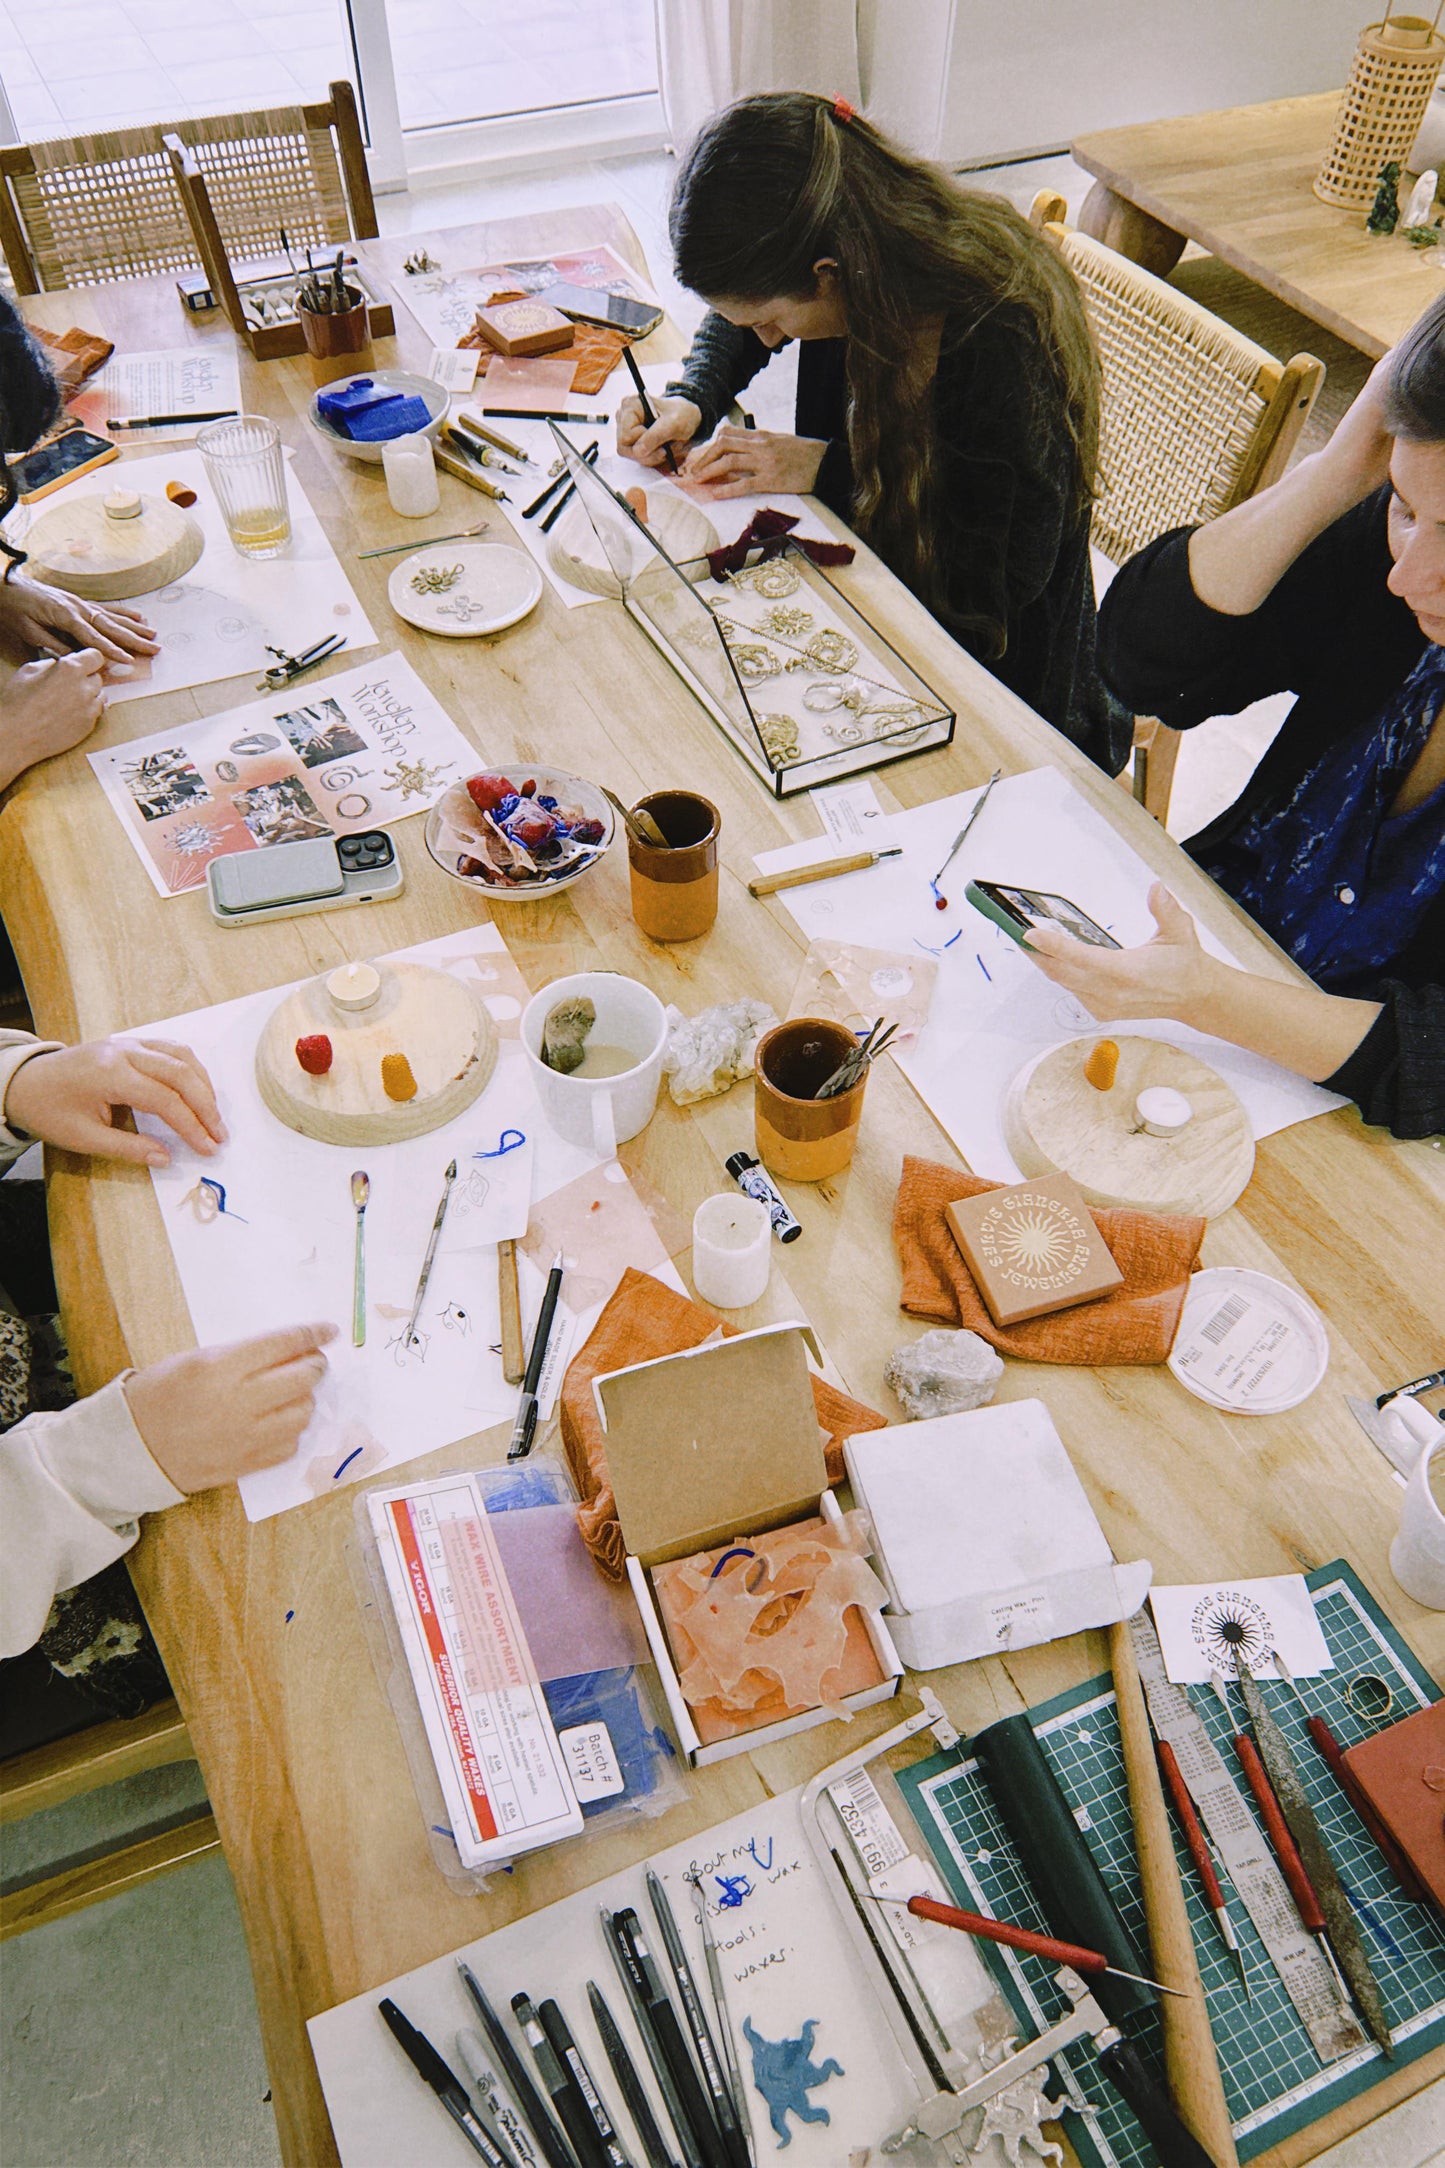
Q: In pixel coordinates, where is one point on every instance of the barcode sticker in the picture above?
(875, 1836)
(1225, 1317)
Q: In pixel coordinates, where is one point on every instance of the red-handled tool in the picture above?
(1198, 1846)
(1332, 1754)
(1088, 1962)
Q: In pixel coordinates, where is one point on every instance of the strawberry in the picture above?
(314, 1053)
(487, 791)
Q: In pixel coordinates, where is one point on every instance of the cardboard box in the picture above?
(710, 1447)
(1033, 1249)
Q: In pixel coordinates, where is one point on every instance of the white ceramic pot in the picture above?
(599, 1113)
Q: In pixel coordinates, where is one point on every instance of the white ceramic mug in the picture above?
(1417, 1555)
(600, 1112)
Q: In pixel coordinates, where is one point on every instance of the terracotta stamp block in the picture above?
(1033, 1249)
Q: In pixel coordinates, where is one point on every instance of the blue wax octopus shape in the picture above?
(784, 2072)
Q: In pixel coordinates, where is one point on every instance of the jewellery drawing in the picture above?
(259, 741)
(353, 807)
(343, 778)
(414, 778)
(435, 579)
(227, 771)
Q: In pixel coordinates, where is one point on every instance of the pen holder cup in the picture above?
(800, 1138)
(674, 891)
(600, 1111)
(339, 343)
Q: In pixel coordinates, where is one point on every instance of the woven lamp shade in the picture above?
(1395, 69)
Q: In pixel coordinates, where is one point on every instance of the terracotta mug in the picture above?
(674, 891)
(800, 1138)
(339, 344)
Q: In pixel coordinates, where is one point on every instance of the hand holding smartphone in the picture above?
(1018, 910)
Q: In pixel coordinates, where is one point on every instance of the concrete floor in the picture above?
(128, 2032)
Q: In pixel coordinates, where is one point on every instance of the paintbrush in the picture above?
(855, 1063)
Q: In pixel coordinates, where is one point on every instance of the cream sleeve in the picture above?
(16, 1047)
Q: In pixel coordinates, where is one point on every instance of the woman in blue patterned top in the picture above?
(1330, 585)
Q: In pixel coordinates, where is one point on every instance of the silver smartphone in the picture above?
(287, 879)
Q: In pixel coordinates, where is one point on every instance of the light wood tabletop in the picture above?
(1239, 183)
(259, 1624)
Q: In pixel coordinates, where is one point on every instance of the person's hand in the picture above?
(744, 462)
(1357, 456)
(46, 708)
(678, 422)
(1170, 976)
(54, 623)
(69, 1096)
(217, 1413)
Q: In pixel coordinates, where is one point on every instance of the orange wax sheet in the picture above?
(752, 1646)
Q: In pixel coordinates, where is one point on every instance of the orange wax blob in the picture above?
(637, 498)
(397, 1080)
(1102, 1066)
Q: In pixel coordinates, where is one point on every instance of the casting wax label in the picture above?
(1033, 1612)
(1249, 1348)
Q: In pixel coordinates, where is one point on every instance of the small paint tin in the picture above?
(1247, 1343)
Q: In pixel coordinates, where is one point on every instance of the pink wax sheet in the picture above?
(574, 1619)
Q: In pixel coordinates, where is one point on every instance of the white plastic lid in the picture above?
(1247, 1343)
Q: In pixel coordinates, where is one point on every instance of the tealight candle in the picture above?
(1161, 1111)
(731, 1251)
(411, 476)
(122, 504)
(354, 986)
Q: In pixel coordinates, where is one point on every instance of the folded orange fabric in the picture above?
(642, 1320)
(596, 349)
(1136, 1324)
(73, 355)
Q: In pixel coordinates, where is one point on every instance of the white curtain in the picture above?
(890, 58)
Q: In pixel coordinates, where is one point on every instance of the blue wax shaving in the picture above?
(507, 1490)
(347, 1463)
(784, 2073)
(217, 1190)
(983, 967)
(511, 1140)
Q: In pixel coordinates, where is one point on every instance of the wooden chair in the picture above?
(90, 210)
(1195, 419)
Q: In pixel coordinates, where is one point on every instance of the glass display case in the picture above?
(798, 679)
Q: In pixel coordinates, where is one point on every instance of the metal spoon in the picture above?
(360, 1194)
(640, 824)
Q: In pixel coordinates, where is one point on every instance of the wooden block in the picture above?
(518, 328)
(1033, 1249)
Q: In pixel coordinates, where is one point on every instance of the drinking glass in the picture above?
(245, 467)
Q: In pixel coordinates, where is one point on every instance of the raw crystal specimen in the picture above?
(709, 1052)
(944, 1373)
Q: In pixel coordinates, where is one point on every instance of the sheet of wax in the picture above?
(993, 1010)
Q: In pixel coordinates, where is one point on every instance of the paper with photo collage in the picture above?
(329, 757)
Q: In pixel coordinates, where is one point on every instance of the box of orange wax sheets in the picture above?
(759, 1605)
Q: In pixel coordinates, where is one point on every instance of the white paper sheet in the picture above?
(184, 380)
(444, 301)
(993, 1010)
(281, 1252)
(338, 755)
(219, 619)
(1200, 1627)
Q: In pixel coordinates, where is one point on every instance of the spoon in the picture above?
(640, 824)
(360, 1194)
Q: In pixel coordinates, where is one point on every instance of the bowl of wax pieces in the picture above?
(519, 831)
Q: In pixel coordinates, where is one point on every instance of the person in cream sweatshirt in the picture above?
(73, 1483)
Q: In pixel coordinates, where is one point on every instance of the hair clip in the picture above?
(843, 111)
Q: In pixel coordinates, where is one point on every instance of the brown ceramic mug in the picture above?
(801, 1138)
(339, 343)
(674, 891)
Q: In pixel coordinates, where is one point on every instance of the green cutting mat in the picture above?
(1273, 2080)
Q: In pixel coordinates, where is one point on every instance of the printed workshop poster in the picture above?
(352, 752)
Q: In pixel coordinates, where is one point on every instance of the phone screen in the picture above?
(597, 307)
(1034, 906)
(51, 463)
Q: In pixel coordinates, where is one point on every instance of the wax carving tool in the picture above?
(630, 1974)
(534, 2110)
(821, 869)
(720, 2100)
(395, 549)
(1091, 1963)
(360, 1198)
(712, 1957)
(509, 1302)
(629, 2084)
(957, 845)
(649, 412)
(454, 445)
(1333, 1757)
(431, 1251)
(480, 429)
(610, 2149)
(286, 668)
(1197, 1845)
(561, 2087)
(856, 1064)
(484, 448)
(590, 459)
(445, 2083)
(638, 820)
(1303, 1970)
(692, 2101)
(526, 1422)
(530, 511)
(1340, 1922)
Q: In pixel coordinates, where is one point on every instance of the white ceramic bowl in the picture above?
(402, 380)
(551, 783)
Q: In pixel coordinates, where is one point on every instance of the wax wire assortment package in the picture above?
(511, 1664)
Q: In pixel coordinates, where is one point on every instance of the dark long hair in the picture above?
(1415, 383)
(774, 183)
(29, 402)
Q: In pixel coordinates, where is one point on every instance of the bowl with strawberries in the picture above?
(519, 832)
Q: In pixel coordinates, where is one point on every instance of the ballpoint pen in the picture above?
(444, 2082)
(635, 1988)
(555, 2026)
(360, 1197)
(431, 1250)
(629, 2084)
(649, 412)
(724, 2112)
(526, 1422)
(535, 2112)
(697, 2116)
(957, 845)
(560, 2086)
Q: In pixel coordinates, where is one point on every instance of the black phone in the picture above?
(595, 306)
(1019, 910)
(44, 469)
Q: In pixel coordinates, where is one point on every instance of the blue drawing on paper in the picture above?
(734, 1888)
(784, 2073)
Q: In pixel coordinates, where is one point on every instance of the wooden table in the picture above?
(258, 1624)
(1239, 183)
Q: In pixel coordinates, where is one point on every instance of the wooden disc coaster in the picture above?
(434, 1021)
(1056, 1122)
(106, 548)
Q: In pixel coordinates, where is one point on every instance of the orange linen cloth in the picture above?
(641, 1321)
(73, 355)
(1136, 1324)
(595, 348)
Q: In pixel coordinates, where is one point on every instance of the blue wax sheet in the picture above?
(379, 424)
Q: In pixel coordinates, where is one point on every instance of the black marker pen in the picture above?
(555, 2026)
(445, 2083)
(560, 2086)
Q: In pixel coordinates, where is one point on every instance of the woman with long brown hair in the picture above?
(948, 393)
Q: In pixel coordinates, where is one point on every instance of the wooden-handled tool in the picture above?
(1197, 1845)
(822, 869)
(514, 1349)
(1091, 1963)
(1190, 2058)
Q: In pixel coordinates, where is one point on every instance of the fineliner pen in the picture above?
(629, 2084)
(634, 1987)
(559, 2033)
(489, 2097)
(560, 2087)
(534, 2109)
(444, 2082)
(753, 1180)
(669, 2033)
(704, 2046)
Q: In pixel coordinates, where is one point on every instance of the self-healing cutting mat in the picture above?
(1273, 2081)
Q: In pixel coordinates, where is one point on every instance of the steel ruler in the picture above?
(1241, 1844)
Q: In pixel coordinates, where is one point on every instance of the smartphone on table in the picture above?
(1019, 910)
(594, 306)
(286, 879)
(50, 465)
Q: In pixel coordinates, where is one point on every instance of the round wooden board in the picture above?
(435, 1020)
(1055, 1122)
(79, 547)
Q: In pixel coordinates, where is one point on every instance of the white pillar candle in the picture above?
(1162, 1111)
(411, 476)
(731, 1251)
(354, 986)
